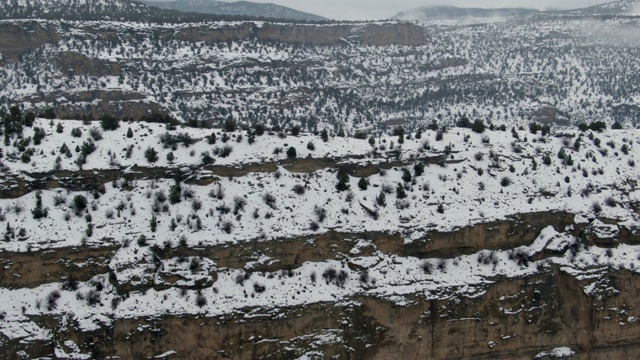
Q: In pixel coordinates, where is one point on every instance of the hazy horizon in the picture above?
(379, 9)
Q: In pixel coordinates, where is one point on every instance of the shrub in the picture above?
(403, 204)
(88, 147)
(505, 181)
(381, 199)
(520, 256)
(230, 125)
(258, 288)
(95, 133)
(291, 153)
(70, 284)
(363, 184)
(478, 126)
(76, 132)
(464, 122)
(299, 189)
(406, 176)
(440, 209)
(311, 146)
(52, 300)
(343, 180)
(427, 267)
(226, 226)
(188, 192)
(610, 202)
(332, 276)
(39, 212)
(387, 188)
(270, 200)
(109, 122)
(153, 223)
(206, 158)
(79, 203)
(151, 154)
(598, 126)
(324, 135)
(239, 203)
(349, 197)
(400, 192)
(259, 129)
(93, 297)
(225, 151)
(175, 193)
(418, 169)
(596, 207)
(142, 241)
(321, 213)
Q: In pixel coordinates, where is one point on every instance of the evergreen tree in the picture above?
(343, 180)
(38, 212)
(175, 193)
(363, 184)
(381, 199)
(29, 119)
(400, 192)
(109, 122)
(291, 153)
(151, 154)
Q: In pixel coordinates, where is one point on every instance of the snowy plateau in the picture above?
(178, 187)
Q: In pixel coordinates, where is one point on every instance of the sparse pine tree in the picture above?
(381, 199)
(343, 180)
(363, 184)
(175, 193)
(291, 153)
(38, 212)
(151, 154)
(400, 192)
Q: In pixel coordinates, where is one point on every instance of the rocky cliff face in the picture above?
(521, 318)
(313, 35)
(17, 39)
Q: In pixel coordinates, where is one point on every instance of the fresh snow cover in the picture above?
(600, 172)
(466, 196)
(559, 352)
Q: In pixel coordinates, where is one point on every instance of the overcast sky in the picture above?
(382, 9)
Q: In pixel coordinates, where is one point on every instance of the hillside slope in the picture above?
(429, 13)
(241, 8)
(234, 243)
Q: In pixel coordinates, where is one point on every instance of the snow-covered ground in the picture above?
(488, 176)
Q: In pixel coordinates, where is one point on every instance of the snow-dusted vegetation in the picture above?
(436, 180)
(184, 188)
